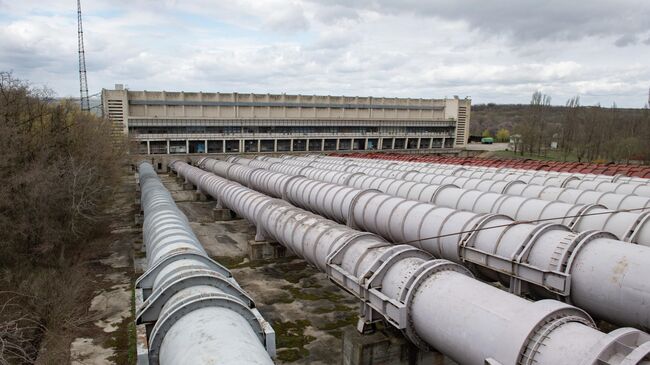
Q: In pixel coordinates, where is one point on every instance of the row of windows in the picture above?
(286, 122)
(285, 130)
(286, 145)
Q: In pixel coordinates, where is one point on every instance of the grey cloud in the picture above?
(523, 20)
(335, 13)
(331, 41)
(379, 47)
(647, 41)
(291, 19)
(625, 40)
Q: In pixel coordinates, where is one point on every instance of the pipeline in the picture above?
(194, 310)
(628, 226)
(436, 303)
(617, 184)
(506, 185)
(590, 269)
(581, 176)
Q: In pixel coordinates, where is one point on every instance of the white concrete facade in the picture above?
(164, 122)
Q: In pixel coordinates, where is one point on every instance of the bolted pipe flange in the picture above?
(428, 269)
(155, 303)
(198, 301)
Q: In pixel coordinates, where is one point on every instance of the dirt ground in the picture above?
(107, 338)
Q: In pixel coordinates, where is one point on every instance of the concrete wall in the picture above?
(393, 117)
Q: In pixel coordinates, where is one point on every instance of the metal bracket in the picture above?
(151, 308)
(287, 182)
(340, 276)
(580, 214)
(262, 328)
(409, 289)
(509, 185)
(393, 310)
(519, 272)
(633, 344)
(347, 181)
(145, 281)
(439, 189)
(353, 203)
(633, 231)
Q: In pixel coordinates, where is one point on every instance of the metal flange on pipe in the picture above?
(194, 309)
(592, 269)
(436, 303)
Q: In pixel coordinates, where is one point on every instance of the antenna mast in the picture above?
(83, 82)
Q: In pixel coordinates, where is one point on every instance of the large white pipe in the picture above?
(435, 302)
(195, 310)
(630, 226)
(560, 174)
(562, 186)
(605, 276)
(613, 184)
(545, 188)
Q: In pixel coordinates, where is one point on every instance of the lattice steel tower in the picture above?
(83, 82)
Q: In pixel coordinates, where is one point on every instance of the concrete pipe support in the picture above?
(195, 311)
(436, 303)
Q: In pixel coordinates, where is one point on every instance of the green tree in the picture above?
(503, 135)
(486, 133)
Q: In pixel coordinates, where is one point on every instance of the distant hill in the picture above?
(495, 116)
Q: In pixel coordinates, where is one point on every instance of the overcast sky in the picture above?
(493, 51)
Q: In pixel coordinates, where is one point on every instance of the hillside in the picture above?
(496, 116)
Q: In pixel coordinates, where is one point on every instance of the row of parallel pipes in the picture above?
(630, 224)
(435, 302)
(194, 310)
(590, 269)
(610, 184)
(561, 174)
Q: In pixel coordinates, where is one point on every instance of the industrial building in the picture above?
(164, 122)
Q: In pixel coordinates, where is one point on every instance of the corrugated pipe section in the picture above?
(591, 269)
(194, 310)
(590, 169)
(507, 185)
(582, 176)
(629, 226)
(614, 184)
(436, 303)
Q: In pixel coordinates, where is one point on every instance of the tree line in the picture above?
(58, 171)
(572, 132)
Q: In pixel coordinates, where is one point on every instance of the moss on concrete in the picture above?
(312, 294)
(125, 337)
(341, 320)
(291, 355)
(291, 339)
(339, 308)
